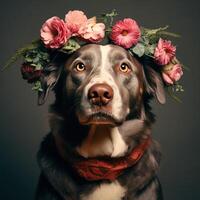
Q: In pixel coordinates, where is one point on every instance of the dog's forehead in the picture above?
(90, 51)
(111, 51)
(113, 54)
(99, 55)
(116, 52)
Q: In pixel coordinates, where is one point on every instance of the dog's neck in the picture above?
(96, 140)
(101, 141)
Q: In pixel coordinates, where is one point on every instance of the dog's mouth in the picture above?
(100, 118)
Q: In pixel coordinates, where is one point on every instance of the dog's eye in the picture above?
(124, 68)
(80, 67)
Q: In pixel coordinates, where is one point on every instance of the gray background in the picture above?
(23, 124)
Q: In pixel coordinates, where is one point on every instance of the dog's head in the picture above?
(105, 85)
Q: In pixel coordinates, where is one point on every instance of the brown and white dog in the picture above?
(101, 111)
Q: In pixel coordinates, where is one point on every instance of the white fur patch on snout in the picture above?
(104, 76)
(107, 191)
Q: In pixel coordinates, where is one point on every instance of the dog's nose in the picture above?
(100, 94)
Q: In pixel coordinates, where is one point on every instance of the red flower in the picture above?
(164, 52)
(75, 19)
(54, 33)
(126, 33)
(92, 31)
(29, 73)
(172, 72)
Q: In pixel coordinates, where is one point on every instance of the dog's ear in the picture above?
(48, 82)
(154, 84)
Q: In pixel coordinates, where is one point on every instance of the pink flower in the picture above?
(126, 33)
(54, 33)
(164, 52)
(92, 31)
(74, 20)
(172, 73)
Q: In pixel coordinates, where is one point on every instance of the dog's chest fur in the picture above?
(99, 143)
(106, 191)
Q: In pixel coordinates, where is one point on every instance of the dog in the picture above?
(101, 113)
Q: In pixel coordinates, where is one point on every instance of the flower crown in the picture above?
(66, 36)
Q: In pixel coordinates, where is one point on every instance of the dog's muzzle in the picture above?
(100, 94)
(100, 97)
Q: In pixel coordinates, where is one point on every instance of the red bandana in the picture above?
(110, 168)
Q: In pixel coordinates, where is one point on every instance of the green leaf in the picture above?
(28, 59)
(45, 56)
(144, 40)
(108, 18)
(171, 93)
(166, 33)
(149, 32)
(185, 67)
(37, 86)
(20, 52)
(33, 64)
(155, 34)
(38, 67)
(139, 49)
(178, 88)
(70, 46)
(36, 59)
(149, 49)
